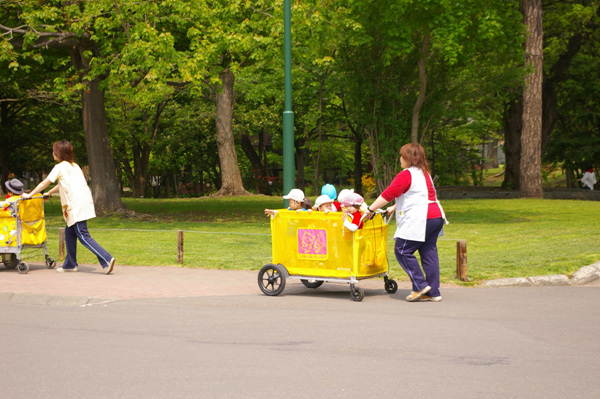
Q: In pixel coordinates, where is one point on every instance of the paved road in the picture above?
(183, 333)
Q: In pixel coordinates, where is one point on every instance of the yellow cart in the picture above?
(22, 225)
(316, 248)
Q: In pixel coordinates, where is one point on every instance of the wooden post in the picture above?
(61, 243)
(180, 246)
(461, 260)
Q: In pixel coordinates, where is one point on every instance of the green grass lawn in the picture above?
(505, 238)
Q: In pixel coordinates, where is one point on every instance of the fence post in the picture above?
(61, 243)
(180, 246)
(461, 260)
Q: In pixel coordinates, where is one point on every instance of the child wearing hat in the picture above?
(14, 188)
(298, 202)
(352, 214)
(324, 204)
(330, 191)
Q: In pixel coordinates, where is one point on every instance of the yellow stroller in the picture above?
(316, 248)
(22, 225)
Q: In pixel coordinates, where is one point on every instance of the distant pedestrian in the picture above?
(589, 178)
(419, 221)
(77, 206)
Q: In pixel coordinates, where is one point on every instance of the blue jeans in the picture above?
(79, 231)
(405, 250)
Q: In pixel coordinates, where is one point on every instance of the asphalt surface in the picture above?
(170, 332)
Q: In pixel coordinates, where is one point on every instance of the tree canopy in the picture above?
(185, 97)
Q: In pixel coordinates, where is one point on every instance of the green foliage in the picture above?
(355, 80)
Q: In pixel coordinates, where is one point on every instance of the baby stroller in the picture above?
(22, 225)
(316, 249)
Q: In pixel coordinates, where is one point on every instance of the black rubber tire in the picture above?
(312, 284)
(271, 279)
(356, 293)
(23, 268)
(10, 262)
(50, 262)
(391, 286)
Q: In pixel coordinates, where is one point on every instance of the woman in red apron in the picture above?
(419, 220)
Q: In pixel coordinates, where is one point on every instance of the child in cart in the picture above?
(14, 189)
(298, 202)
(352, 214)
(8, 230)
(324, 204)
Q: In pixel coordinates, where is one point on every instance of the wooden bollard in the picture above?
(180, 246)
(61, 243)
(461, 260)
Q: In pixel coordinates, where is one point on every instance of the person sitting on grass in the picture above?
(297, 202)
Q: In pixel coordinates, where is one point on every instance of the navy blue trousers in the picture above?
(405, 250)
(79, 231)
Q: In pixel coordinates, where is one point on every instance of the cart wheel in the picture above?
(50, 262)
(23, 268)
(10, 260)
(312, 284)
(391, 286)
(356, 293)
(271, 279)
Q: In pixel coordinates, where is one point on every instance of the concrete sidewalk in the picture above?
(90, 285)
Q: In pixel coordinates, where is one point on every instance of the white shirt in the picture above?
(589, 179)
(75, 195)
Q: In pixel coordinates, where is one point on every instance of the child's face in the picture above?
(352, 209)
(295, 204)
(326, 207)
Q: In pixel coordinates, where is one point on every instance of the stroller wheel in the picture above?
(311, 284)
(10, 261)
(271, 279)
(23, 268)
(391, 286)
(356, 293)
(50, 262)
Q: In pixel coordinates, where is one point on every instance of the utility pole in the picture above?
(289, 169)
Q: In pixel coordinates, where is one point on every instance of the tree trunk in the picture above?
(414, 133)
(513, 124)
(231, 178)
(105, 188)
(4, 149)
(104, 185)
(358, 168)
(531, 136)
(259, 170)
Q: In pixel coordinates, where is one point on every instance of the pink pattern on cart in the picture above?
(312, 244)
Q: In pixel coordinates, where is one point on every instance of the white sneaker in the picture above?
(73, 269)
(108, 269)
(416, 295)
(427, 298)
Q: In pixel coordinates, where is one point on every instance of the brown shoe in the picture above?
(110, 267)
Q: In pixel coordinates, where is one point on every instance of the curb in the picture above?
(583, 276)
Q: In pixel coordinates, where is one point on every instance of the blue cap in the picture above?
(329, 190)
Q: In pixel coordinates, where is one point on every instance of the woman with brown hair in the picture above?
(77, 205)
(419, 220)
